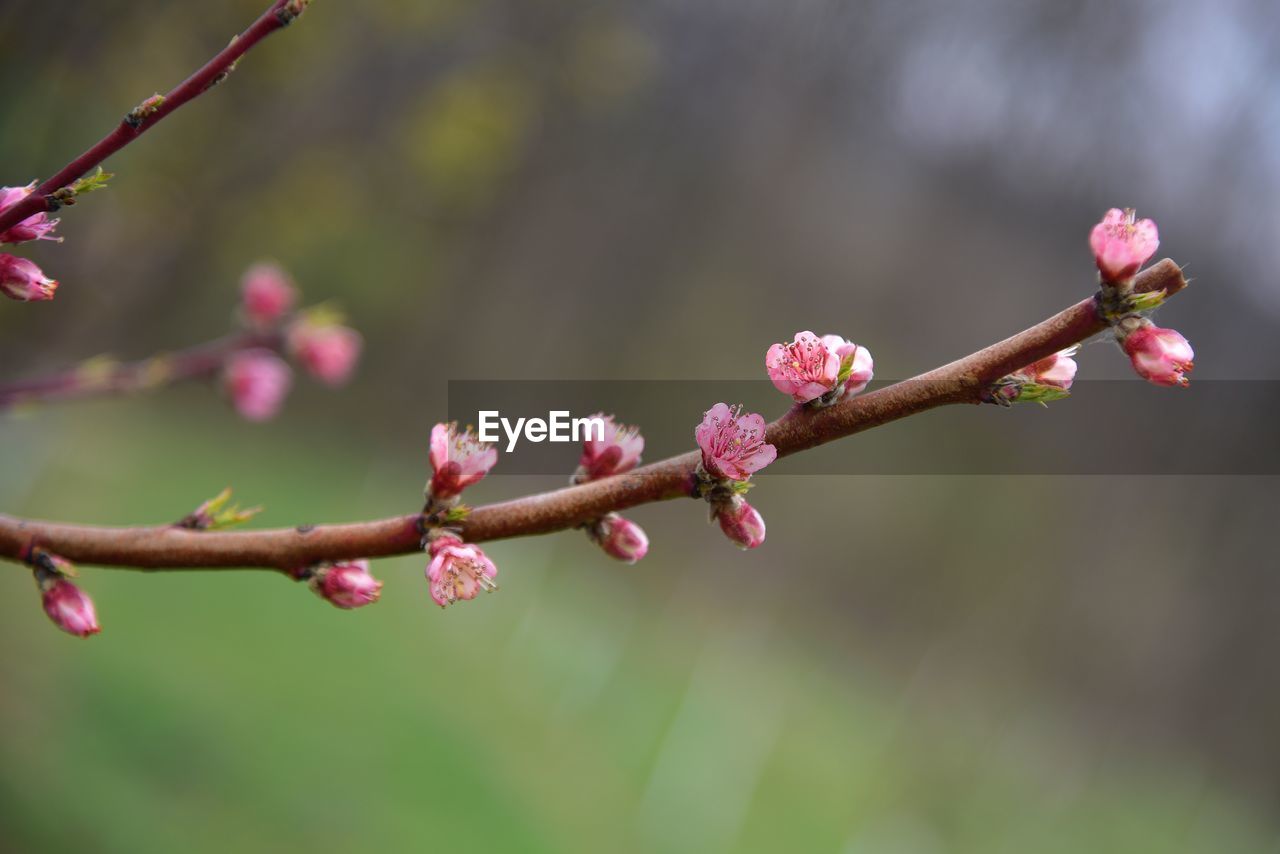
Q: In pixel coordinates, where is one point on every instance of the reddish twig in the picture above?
(962, 381)
(278, 15)
(98, 378)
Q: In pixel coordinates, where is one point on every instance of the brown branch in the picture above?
(200, 362)
(278, 15)
(961, 381)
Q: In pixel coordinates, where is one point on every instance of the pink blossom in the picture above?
(805, 369)
(458, 570)
(35, 227)
(620, 538)
(733, 444)
(862, 368)
(21, 279)
(68, 606)
(266, 294)
(347, 585)
(740, 522)
(328, 352)
(1122, 245)
(617, 452)
(1160, 356)
(1057, 370)
(257, 381)
(457, 461)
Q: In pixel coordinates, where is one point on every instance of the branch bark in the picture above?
(962, 381)
(133, 126)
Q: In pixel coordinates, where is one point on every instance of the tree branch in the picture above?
(170, 547)
(277, 16)
(203, 361)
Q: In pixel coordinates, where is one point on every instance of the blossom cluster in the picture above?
(733, 448)
(457, 570)
(819, 370)
(1121, 244)
(256, 379)
(21, 278)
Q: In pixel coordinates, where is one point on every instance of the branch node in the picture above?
(139, 114)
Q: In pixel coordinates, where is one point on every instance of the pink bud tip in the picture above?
(1160, 356)
(861, 365)
(733, 444)
(806, 368)
(458, 459)
(69, 608)
(35, 227)
(1058, 370)
(257, 382)
(267, 294)
(458, 571)
(22, 280)
(616, 452)
(741, 522)
(1121, 244)
(620, 538)
(347, 585)
(328, 352)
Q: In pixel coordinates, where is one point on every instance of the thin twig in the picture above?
(278, 15)
(101, 378)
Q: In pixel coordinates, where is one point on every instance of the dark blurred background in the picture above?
(562, 189)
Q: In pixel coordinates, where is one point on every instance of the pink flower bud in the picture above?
(1160, 356)
(21, 279)
(1121, 245)
(620, 538)
(457, 461)
(805, 369)
(68, 606)
(35, 227)
(1058, 370)
(328, 352)
(257, 382)
(740, 522)
(617, 452)
(347, 585)
(733, 444)
(861, 367)
(458, 570)
(267, 294)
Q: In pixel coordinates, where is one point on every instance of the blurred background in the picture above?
(564, 189)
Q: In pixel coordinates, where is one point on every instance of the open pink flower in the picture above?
(733, 444)
(617, 452)
(862, 368)
(620, 538)
(35, 227)
(1122, 243)
(740, 522)
(21, 279)
(457, 461)
(458, 570)
(805, 369)
(1160, 356)
(266, 294)
(347, 585)
(68, 606)
(1057, 370)
(328, 352)
(257, 382)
